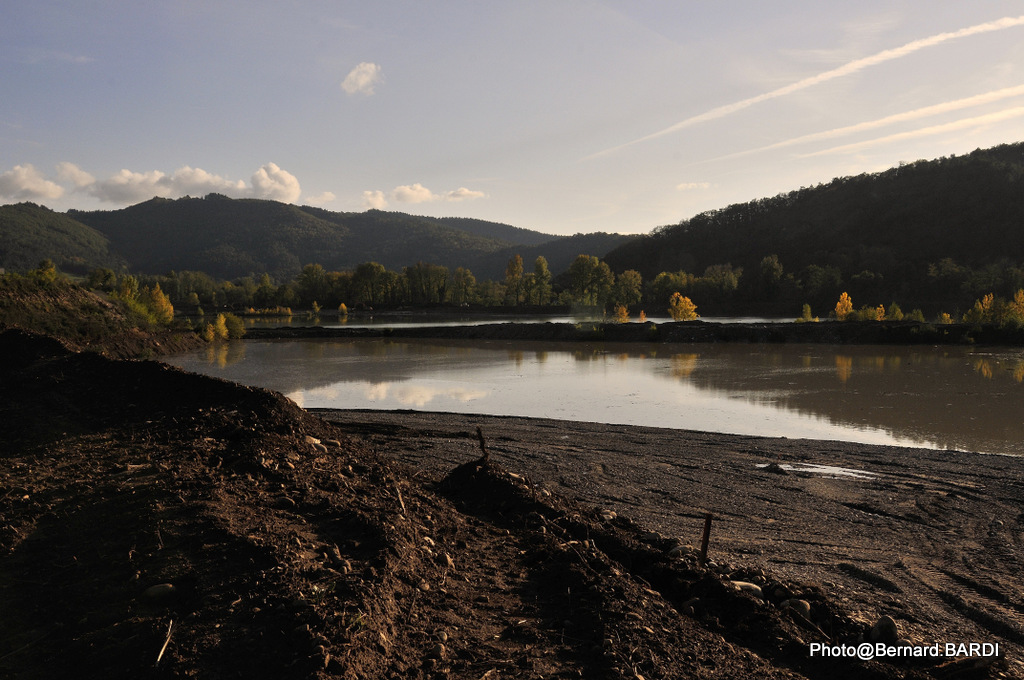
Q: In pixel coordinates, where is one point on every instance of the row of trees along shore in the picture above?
(959, 292)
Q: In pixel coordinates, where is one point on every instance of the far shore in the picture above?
(827, 332)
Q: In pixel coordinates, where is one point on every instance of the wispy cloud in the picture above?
(362, 79)
(906, 116)
(965, 123)
(692, 186)
(846, 69)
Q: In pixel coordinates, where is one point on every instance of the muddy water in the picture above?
(962, 398)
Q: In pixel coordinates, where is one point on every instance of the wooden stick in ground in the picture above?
(483, 443)
(704, 540)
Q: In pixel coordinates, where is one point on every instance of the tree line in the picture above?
(588, 283)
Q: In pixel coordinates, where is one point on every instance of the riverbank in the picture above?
(828, 332)
(161, 523)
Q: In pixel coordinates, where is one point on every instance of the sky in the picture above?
(563, 116)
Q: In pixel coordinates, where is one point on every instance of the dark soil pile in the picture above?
(161, 524)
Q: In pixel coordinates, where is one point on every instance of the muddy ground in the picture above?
(155, 523)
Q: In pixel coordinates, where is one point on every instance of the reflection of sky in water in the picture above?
(940, 397)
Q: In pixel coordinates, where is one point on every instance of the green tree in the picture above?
(541, 293)
(628, 288)
(312, 284)
(463, 286)
(590, 281)
(514, 280)
(369, 283)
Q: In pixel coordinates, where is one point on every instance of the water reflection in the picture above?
(938, 397)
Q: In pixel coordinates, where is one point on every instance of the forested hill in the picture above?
(900, 234)
(30, 233)
(229, 238)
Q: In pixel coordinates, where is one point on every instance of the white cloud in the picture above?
(188, 181)
(417, 193)
(271, 182)
(130, 187)
(374, 200)
(462, 194)
(361, 79)
(689, 186)
(320, 199)
(126, 186)
(846, 69)
(26, 183)
(72, 174)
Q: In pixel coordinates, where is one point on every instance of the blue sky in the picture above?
(561, 116)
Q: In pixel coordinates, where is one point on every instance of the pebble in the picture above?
(320, 448)
(160, 594)
(608, 515)
(438, 651)
(312, 440)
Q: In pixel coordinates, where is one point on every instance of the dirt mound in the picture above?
(161, 524)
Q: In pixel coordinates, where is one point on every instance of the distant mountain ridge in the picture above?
(893, 235)
(30, 233)
(229, 238)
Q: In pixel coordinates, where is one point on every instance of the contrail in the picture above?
(924, 112)
(1015, 112)
(844, 70)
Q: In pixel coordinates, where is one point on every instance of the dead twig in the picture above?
(400, 501)
(170, 631)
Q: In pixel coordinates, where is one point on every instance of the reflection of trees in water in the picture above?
(844, 368)
(946, 397)
(683, 365)
(224, 354)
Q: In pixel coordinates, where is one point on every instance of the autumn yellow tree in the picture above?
(159, 305)
(682, 308)
(844, 307)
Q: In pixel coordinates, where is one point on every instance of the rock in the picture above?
(608, 515)
(160, 595)
(312, 440)
(801, 607)
(747, 587)
(680, 550)
(320, 448)
(884, 630)
(438, 651)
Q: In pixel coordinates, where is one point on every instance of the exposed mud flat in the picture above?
(162, 524)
